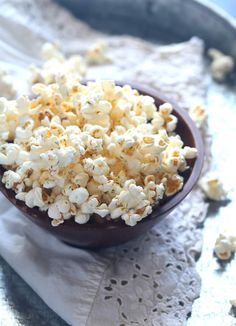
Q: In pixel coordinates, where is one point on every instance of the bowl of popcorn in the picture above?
(97, 163)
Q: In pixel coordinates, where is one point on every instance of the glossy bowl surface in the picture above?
(110, 233)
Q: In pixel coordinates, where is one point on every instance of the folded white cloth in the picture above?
(142, 281)
(127, 283)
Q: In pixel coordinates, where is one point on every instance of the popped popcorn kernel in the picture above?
(224, 247)
(78, 196)
(173, 184)
(198, 114)
(213, 187)
(7, 89)
(96, 54)
(221, 66)
(102, 150)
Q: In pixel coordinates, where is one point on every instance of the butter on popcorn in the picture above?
(97, 149)
(213, 187)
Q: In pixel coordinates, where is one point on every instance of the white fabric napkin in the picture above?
(76, 283)
(142, 281)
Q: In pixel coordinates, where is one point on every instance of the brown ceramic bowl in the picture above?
(111, 233)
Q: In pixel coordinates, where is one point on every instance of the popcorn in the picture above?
(96, 167)
(78, 196)
(34, 198)
(98, 149)
(213, 188)
(23, 105)
(56, 222)
(190, 152)
(6, 86)
(81, 179)
(50, 51)
(131, 204)
(173, 184)
(10, 178)
(9, 154)
(221, 66)
(96, 53)
(224, 247)
(63, 204)
(198, 114)
(82, 218)
(54, 212)
(56, 64)
(233, 302)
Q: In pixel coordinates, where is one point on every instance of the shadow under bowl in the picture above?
(110, 233)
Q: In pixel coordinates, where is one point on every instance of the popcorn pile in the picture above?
(75, 65)
(54, 63)
(78, 150)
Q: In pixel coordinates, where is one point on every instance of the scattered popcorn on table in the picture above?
(96, 54)
(78, 150)
(221, 65)
(6, 86)
(198, 114)
(55, 63)
(213, 187)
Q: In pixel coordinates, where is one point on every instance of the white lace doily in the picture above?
(150, 281)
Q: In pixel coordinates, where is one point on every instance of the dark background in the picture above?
(228, 5)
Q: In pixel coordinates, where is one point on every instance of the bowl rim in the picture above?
(158, 210)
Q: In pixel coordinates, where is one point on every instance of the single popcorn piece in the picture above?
(221, 66)
(34, 198)
(96, 54)
(190, 152)
(10, 179)
(7, 88)
(223, 247)
(78, 196)
(213, 187)
(50, 51)
(82, 218)
(90, 151)
(198, 114)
